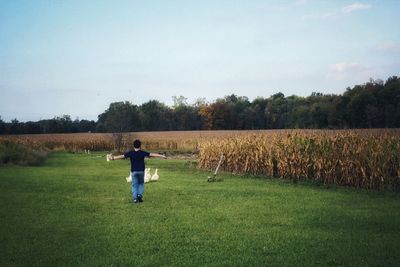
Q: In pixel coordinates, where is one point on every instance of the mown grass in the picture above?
(76, 211)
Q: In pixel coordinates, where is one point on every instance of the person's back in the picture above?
(137, 157)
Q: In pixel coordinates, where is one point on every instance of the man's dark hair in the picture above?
(137, 143)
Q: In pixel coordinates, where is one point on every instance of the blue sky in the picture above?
(76, 57)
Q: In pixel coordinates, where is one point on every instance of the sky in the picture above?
(76, 57)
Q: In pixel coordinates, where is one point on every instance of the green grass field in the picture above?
(76, 211)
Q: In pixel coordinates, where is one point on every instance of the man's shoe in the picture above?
(140, 198)
(135, 200)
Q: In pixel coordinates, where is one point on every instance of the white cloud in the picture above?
(389, 47)
(335, 13)
(355, 7)
(343, 67)
(301, 2)
(321, 16)
(353, 71)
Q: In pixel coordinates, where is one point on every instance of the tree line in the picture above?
(375, 104)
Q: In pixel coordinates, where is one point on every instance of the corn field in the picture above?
(75, 142)
(359, 158)
(121, 142)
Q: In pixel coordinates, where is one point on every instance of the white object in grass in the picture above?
(129, 178)
(147, 175)
(155, 176)
(108, 157)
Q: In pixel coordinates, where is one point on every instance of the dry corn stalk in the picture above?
(353, 158)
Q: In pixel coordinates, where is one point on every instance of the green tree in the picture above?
(2, 126)
(156, 116)
(259, 109)
(120, 117)
(15, 127)
(277, 112)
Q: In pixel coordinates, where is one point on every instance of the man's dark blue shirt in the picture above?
(137, 159)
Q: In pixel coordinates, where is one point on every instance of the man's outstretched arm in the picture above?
(155, 155)
(112, 157)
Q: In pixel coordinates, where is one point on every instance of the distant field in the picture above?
(360, 158)
(75, 210)
(168, 140)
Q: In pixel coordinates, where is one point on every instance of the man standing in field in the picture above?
(137, 157)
